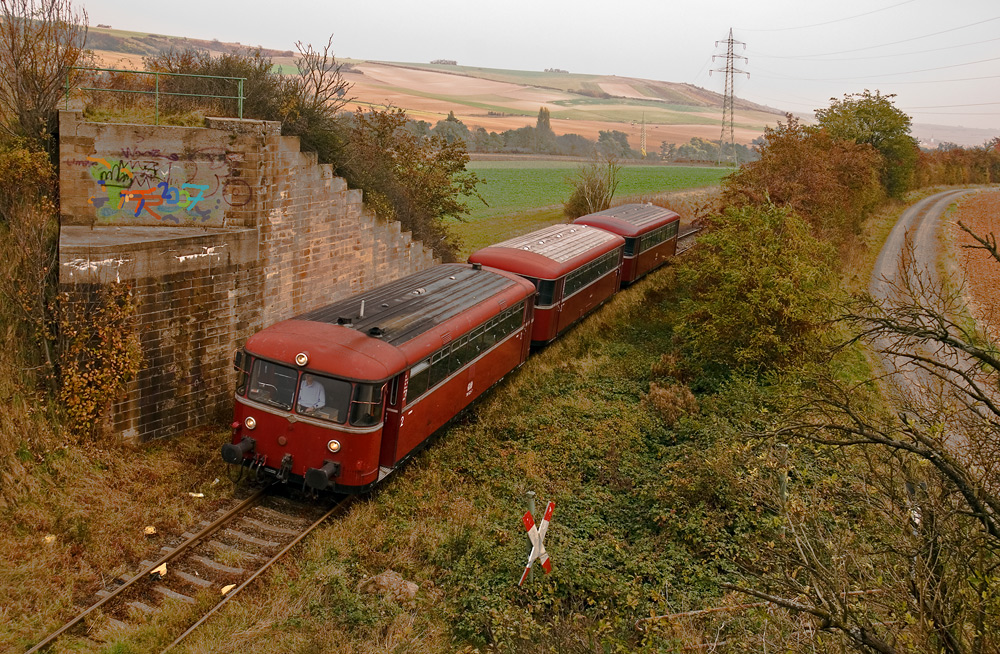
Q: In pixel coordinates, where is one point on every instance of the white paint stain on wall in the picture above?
(207, 252)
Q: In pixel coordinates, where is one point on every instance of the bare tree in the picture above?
(594, 186)
(40, 42)
(321, 85)
(905, 557)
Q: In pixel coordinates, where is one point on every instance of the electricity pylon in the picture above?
(727, 102)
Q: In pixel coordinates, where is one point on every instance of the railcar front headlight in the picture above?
(333, 446)
(301, 358)
(250, 423)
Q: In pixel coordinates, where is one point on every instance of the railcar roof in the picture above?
(630, 219)
(559, 243)
(549, 253)
(410, 306)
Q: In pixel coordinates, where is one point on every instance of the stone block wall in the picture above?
(273, 235)
(318, 242)
(198, 296)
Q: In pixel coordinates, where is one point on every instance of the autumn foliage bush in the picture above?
(670, 401)
(955, 165)
(99, 354)
(832, 184)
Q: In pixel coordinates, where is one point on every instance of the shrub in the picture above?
(754, 291)
(833, 185)
(593, 187)
(670, 401)
(99, 354)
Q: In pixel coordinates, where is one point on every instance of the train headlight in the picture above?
(301, 359)
(250, 423)
(333, 446)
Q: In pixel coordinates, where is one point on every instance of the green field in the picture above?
(527, 195)
(515, 186)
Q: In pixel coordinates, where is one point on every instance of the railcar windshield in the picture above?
(323, 397)
(336, 400)
(313, 395)
(272, 384)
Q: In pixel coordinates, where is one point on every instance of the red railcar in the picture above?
(650, 235)
(385, 370)
(574, 267)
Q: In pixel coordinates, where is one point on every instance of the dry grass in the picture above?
(74, 519)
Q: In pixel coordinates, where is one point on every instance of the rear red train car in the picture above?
(574, 267)
(650, 234)
(340, 396)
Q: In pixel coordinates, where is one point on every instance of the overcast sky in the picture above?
(941, 59)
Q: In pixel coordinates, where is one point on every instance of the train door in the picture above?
(396, 391)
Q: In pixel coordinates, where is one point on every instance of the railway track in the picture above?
(204, 571)
(686, 240)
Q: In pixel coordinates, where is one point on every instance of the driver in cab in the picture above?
(312, 395)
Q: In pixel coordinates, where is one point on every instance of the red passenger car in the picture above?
(650, 235)
(340, 396)
(574, 267)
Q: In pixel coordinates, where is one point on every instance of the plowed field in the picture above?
(980, 212)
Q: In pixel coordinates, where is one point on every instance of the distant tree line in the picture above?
(540, 139)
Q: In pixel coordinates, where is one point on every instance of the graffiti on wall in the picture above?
(146, 186)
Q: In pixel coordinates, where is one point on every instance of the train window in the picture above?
(591, 272)
(630, 243)
(439, 366)
(366, 407)
(546, 292)
(419, 376)
(462, 351)
(242, 374)
(272, 383)
(323, 397)
(657, 236)
(394, 391)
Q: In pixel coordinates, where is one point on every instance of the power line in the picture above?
(949, 106)
(888, 56)
(915, 38)
(905, 72)
(829, 22)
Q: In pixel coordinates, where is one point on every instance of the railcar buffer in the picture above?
(536, 534)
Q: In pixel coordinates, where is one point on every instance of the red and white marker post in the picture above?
(536, 534)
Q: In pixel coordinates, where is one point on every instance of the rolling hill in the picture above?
(496, 99)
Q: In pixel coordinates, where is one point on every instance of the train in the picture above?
(337, 399)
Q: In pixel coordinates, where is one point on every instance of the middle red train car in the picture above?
(574, 267)
(650, 234)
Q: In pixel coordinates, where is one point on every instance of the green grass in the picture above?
(515, 186)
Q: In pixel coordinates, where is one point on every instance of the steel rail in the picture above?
(336, 509)
(166, 558)
(687, 235)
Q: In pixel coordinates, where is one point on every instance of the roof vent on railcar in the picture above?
(477, 266)
(377, 332)
(345, 320)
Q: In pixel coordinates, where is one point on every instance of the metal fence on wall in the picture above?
(159, 90)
